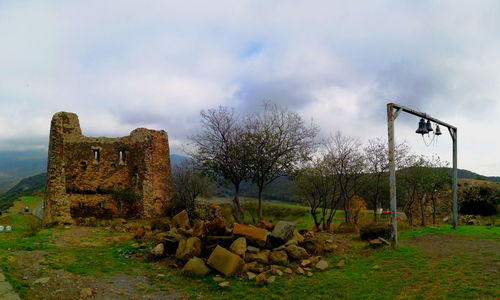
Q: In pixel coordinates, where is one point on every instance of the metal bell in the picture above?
(422, 127)
(429, 126)
(438, 130)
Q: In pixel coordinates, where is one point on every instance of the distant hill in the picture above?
(34, 185)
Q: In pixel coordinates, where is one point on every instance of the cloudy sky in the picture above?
(126, 64)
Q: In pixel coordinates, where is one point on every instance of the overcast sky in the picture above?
(126, 64)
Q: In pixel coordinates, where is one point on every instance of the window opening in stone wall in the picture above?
(96, 154)
(101, 205)
(81, 205)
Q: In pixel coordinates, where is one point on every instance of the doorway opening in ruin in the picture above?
(96, 154)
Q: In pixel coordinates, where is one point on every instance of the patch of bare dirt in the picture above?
(50, 284)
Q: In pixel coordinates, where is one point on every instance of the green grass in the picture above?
(484, 232)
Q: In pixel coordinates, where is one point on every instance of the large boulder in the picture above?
(282, 232)
(256, 234)
(181, 219)
(239, 246)
(196, 266)
(188, 248)
(225, 261)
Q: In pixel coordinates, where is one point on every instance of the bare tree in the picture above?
(278, 140)
(377, 167)
(346, 160)
(221, 151)
(189, 184)
(317, 185)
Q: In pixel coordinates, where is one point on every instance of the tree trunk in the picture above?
(238, 212)
(261, 190)
(347, 210)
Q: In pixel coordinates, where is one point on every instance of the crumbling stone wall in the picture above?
(83, 172)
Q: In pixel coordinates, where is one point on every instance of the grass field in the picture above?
(414, 271)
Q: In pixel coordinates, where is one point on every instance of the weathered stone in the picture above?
(322, 265)
(158, 250)
(218, 278)
(251, 276)
(376, 243)
(188, 248)
(199, 229)
(267, 225)
(270, 279)
(196, 266)
(341, 263)
(288, 271)
(346, 228)
(299, 271)
(82, 170)
(261, 278)
(42, 280)
(239, 246)
(215, 227)
(85, 293)
(296, 252)
(314, 245)
(283, 231)
(261, 257)
(253, 249)
(278, 272)
(256, 234)
(278, 257)
(305, 263)
(181, 220)
(224, 284)
(309, 274)
(225, 261)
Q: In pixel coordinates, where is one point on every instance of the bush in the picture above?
(481, 208)
(373, 231)
(34, 226)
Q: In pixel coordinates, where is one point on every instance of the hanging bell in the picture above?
(422, 127)
(438, 130)
(429, 126)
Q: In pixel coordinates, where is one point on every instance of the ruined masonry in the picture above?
(105, 177)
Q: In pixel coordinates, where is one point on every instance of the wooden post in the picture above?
(392, 174)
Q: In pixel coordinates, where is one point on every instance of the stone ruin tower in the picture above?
(105, 177)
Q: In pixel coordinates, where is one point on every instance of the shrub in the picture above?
(373, 231)
(34, 226)
(482, 208)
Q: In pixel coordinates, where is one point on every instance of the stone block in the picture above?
(256, 234)
(188, 248)
(225, 261)
(196, 266)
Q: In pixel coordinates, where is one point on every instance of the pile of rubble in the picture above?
(256, 252)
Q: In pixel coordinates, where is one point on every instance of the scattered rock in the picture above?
(199, 229)
(278, 257)
(322, 265)
(158, 250)
(253, 233)
(239, 246)
(309, 274)
(196, 266)
(85, 293)
(181, 219)
(299, 271)
(188, 248)
(225, 261)
(288, 271)
(251, 275)
(278, 272)
(305, 263)
(270, 279)
(376, 267)
(261, 278)
(341, 263)
(314, 245)
(376, 243)
(42, 280)
(224, 284)
(218, 278)
(346, 228)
